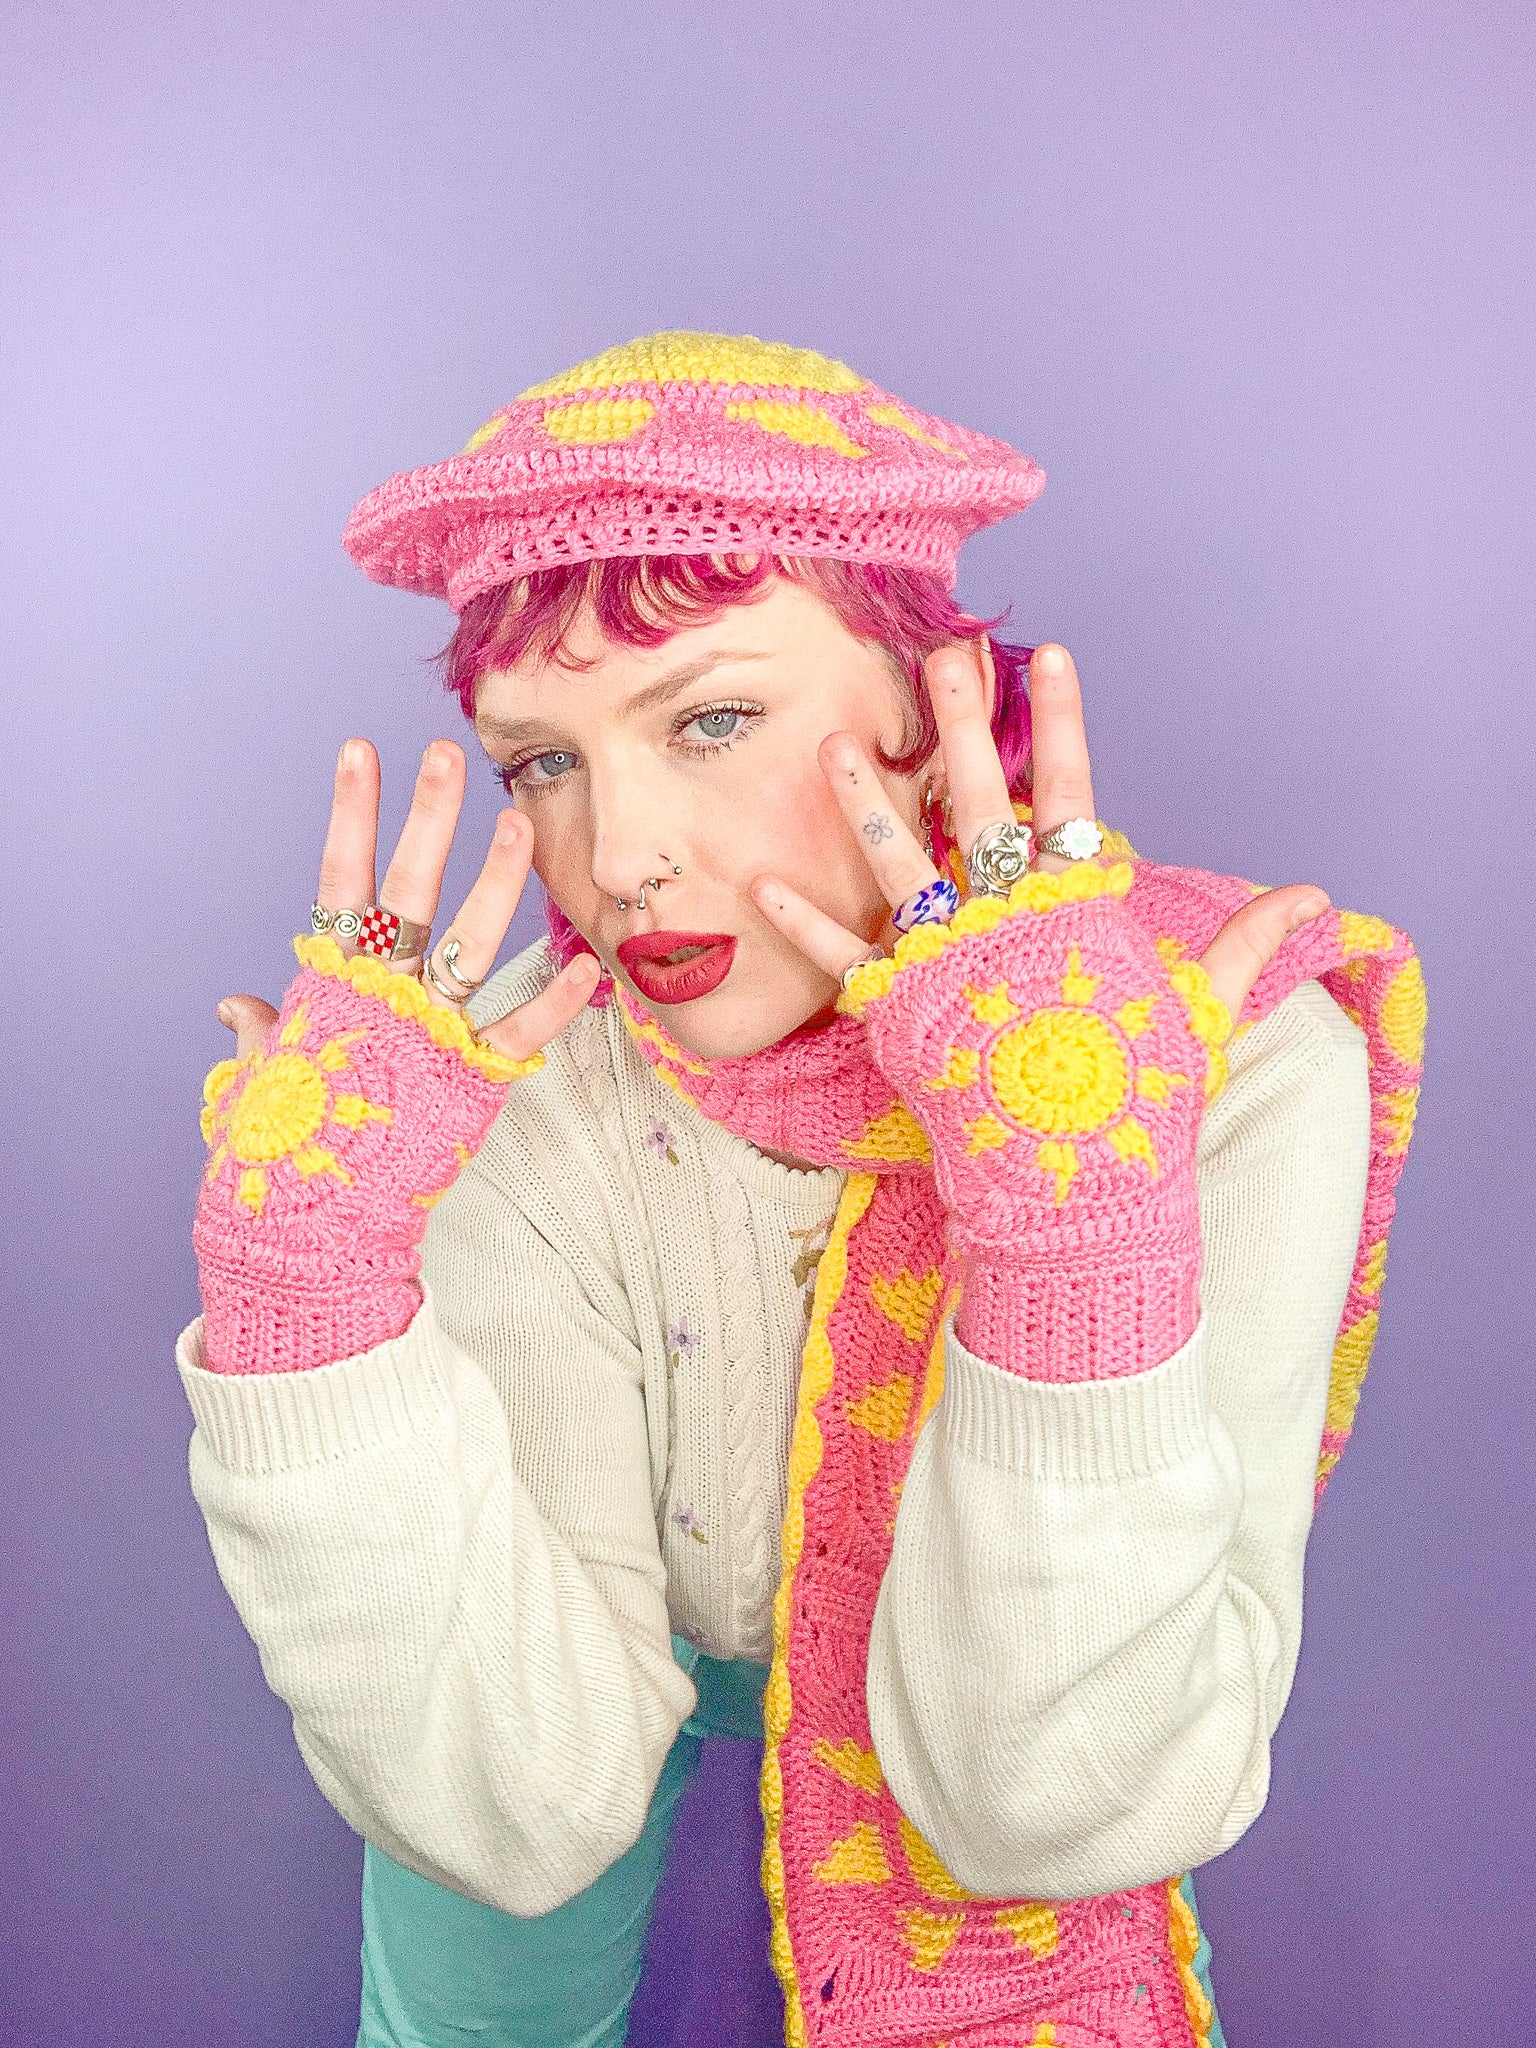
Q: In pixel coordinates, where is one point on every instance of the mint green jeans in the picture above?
(440, 1971)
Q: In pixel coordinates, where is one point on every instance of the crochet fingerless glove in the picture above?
(328, 1148)
(1058, 1066)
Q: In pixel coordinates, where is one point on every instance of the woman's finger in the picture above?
(414, 879)
(249, 1018)
(527, 1029)
(1252, 936)
(978, 787)
(896, 857)
(480, 924)
(1062, 784)
(826, 943)
(351, 838)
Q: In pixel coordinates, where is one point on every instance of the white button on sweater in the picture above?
(461, 1555)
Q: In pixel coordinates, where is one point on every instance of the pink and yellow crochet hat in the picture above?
(684, 443)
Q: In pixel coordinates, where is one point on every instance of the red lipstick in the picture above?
(706, 961)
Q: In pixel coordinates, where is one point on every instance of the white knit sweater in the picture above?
(461, 1554)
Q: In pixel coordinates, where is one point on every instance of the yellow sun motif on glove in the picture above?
(1066, 1073)
(283, 1111)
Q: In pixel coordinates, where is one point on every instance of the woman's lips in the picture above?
(660, 980)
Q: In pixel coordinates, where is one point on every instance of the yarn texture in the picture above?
(690, 443)
(1062, 1014)
(328, 1147)
(1057, 1067)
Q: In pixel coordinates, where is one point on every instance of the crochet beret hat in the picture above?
(682, 443)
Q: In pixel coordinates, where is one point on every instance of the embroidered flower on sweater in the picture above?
(682, 1341)
(687, 1520)
(813, 1242)
(659, 1139)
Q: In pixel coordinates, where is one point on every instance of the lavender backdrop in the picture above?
(1253, 281)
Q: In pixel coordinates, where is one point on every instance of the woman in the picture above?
(921, 1351)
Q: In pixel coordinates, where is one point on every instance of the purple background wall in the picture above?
(1253, 281)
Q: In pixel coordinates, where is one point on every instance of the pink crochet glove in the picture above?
(1058, 1067)
(329, 1146)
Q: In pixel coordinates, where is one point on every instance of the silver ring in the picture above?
(429, 970)
(345, 924)
(1073, 839)
(384, 936)
(999, 858)
(874, 953)
(448, 960)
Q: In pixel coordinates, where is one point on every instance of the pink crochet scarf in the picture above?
(873, 1940)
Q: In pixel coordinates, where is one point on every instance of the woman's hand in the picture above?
(1056, 1063)
(412, 886)
(353, 1109)
(957, 679)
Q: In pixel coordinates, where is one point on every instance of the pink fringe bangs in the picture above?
(642, 600)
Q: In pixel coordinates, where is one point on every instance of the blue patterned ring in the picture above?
(936, 903)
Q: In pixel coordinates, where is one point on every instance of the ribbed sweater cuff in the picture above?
(1083, 1430)
(281, 1422)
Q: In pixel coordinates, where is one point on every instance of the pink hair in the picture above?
(641, 600)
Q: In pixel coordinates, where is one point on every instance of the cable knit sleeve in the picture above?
(1090, 1621)
(446, 1552)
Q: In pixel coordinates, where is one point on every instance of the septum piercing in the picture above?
(655, 882)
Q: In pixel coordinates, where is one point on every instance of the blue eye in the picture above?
(535, 771)
(717, 725)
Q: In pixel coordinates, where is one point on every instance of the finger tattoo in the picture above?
(877, 827)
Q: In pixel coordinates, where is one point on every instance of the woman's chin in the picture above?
(731, 1023)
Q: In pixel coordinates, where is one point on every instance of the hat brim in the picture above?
(525, 501)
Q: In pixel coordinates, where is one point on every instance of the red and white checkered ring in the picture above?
(388, 937)
(378, 933)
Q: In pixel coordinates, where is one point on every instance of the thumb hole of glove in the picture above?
(249, 1018)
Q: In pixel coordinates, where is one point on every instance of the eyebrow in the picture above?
(515, 731)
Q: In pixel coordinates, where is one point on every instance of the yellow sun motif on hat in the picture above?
(278, 1107)
(1065, 1074)
(811, 424)
(893, 416)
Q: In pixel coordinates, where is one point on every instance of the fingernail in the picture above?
(506, 831)
(1048, 661)
(769, 895)
(1308, 908)
(226, 1017)
(351, 755)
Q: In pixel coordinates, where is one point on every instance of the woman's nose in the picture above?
(630, 850)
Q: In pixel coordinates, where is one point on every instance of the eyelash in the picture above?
(507, 773)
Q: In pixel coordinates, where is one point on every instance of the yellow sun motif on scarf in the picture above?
(281, 1106)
